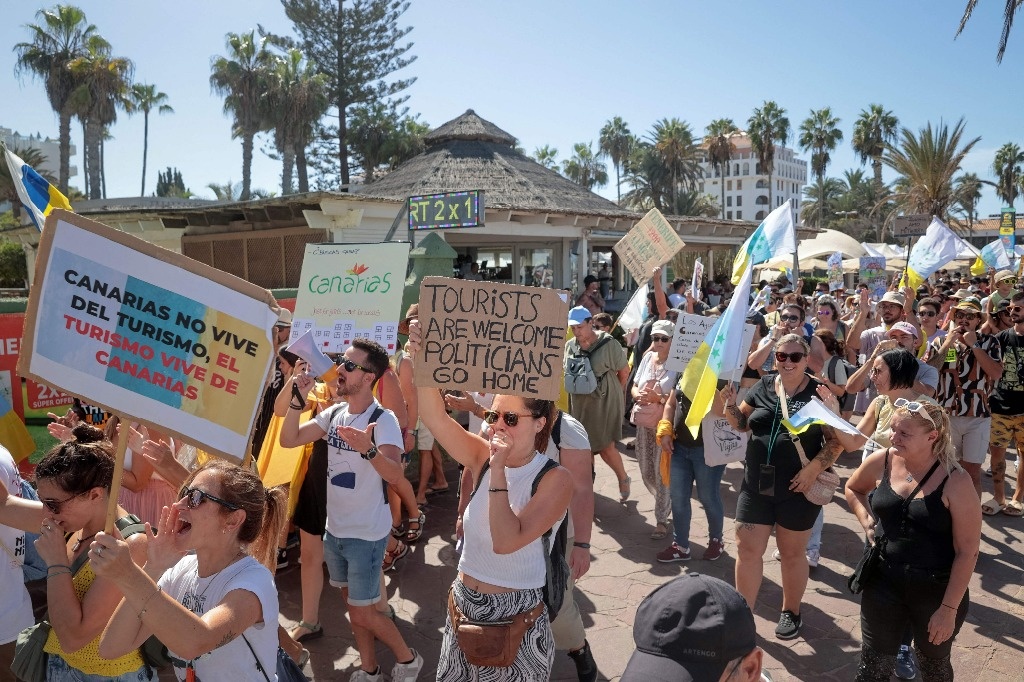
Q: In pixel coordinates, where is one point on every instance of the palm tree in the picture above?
(874, 129)
(927, 162)
(145, 98)
(822, 199)
(1007, 168)
(584, 168)
(295, 100)
(674, 146)
(242, 79)
(766, 126)
(614, 142)
(720, 148)
(546, 156)
(967, 189)
(1009, 11)
(59, 38)
(820, 135)
(103, 85)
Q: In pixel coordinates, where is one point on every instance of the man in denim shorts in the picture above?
(1007, 405)
(364, 450)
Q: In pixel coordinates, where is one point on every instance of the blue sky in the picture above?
(554, 72)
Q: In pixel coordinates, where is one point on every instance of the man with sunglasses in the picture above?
(969, 365)
(365, 446)
(928, 311)
(1007, 406)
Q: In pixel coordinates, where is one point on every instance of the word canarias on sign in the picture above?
(651, 242)
(448, 210)
(349, 291)
(492, 338)
(148, 334)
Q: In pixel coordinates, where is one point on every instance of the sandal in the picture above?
(991, 508)
(624, 488)
(315, 631)
(414, 534)
(303, 658)
(391, 556)
(1013, 508)
(437, 491)
(659, 532)
(398, 531)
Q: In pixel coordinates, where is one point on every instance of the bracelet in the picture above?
(51, 566)
(581, 545)
(948, 606)
(50, 575)
(145, 604)
(497, 490)
(296, 407)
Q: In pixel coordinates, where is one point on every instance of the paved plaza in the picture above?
(990, 647)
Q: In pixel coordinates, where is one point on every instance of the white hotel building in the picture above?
(746, 187)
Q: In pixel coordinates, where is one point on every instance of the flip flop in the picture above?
(659, 532)
(1013, 508)
(315, 631)
(991, 508)
(437, 491)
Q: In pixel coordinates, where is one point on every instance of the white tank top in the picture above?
(520, 570)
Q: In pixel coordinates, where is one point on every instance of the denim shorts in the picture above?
(355, 565)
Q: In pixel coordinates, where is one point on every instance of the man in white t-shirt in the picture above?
(15, 604)
(364, 445)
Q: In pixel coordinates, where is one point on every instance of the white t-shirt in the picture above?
(357, 500)
(571, 436)
(15, 604)
(665, 377)
(233, 661)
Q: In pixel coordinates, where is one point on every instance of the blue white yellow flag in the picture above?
(761, 300)
(720, 351)
(775, 236)
(815, 412)
(938, 246)
(992, 255)
(37, 195)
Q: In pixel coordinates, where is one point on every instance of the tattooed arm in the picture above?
(736, 415)
(831, 450)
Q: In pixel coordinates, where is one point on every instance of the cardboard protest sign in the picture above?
(872, 272)
(349, 291)
(148, 334)
(690, 332)
(835, 272)
(651, 242)
(492, 338)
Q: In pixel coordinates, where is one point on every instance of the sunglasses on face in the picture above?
(915, 407)
(824, 313)
(926, 313)
(792, 357)
(349, 366)
(1015, 308)
(1012, 281)
(194, 497)
(965, 316)
(659, 339)
(55, 505)
(510, 418)
(789, 318)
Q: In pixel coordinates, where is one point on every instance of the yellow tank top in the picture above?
(88, 659)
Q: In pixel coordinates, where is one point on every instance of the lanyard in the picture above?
(776, 428)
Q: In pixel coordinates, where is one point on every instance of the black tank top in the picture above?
(924, 538)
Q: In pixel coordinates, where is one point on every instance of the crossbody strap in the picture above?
(259, 666)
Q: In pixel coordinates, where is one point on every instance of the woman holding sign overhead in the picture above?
(651, 389)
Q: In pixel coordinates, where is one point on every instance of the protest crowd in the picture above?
(927, 381)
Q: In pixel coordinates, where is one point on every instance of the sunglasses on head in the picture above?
(789, 318)
(194, 497)
(792, 357)
(510, 418)
(55, 505)
(349, 365)
(659, 339)
(915, 407)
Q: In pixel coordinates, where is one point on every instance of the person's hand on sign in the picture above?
(60, 431)
(70, 418)
(415, 337)
(110, 557)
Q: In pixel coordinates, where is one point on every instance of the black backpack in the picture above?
(556, 569)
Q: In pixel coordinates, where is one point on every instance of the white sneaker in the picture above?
(813, 557)
(776, 555)
(407, 672)
(363, 676)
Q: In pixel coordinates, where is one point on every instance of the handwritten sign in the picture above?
(835, 271)
(651, 242)
(722, 443)
(872, 273)
(148, 334)
(349, 291)
(690, 332)
(443, 211)
(492, 338)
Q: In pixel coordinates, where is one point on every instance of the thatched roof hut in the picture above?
(470, 152)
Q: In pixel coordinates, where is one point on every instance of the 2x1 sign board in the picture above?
(911, 225)
(448, 210)
(148, 334)
(493, 338)
(651, 242)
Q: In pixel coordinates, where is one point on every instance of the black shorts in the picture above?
(793, 512)
(311, 507)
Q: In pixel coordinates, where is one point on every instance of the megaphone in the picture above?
(319, 364)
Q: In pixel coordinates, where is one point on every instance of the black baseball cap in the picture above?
(688, 630)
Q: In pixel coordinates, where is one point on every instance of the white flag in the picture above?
(632, 315)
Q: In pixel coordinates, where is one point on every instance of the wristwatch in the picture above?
(369, 454)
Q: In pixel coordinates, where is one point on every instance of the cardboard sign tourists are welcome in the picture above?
(493, 338)
(651, 242)
(148, 334)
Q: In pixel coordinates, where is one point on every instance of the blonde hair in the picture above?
(942, 448)
(794, 338)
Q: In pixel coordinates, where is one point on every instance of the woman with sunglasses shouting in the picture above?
(205, 590)
(924, 508)
(771, 496)
(502, 569)
(73, 481)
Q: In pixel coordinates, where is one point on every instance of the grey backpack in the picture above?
(579, 373)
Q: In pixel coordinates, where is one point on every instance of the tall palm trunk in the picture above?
(618, 185)
(85, 158)
(145, 149)
(103, 164)
(64, 172)
(287, 166)
(721, 174)
(300, 168)
(247, 142)
(95, 136)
